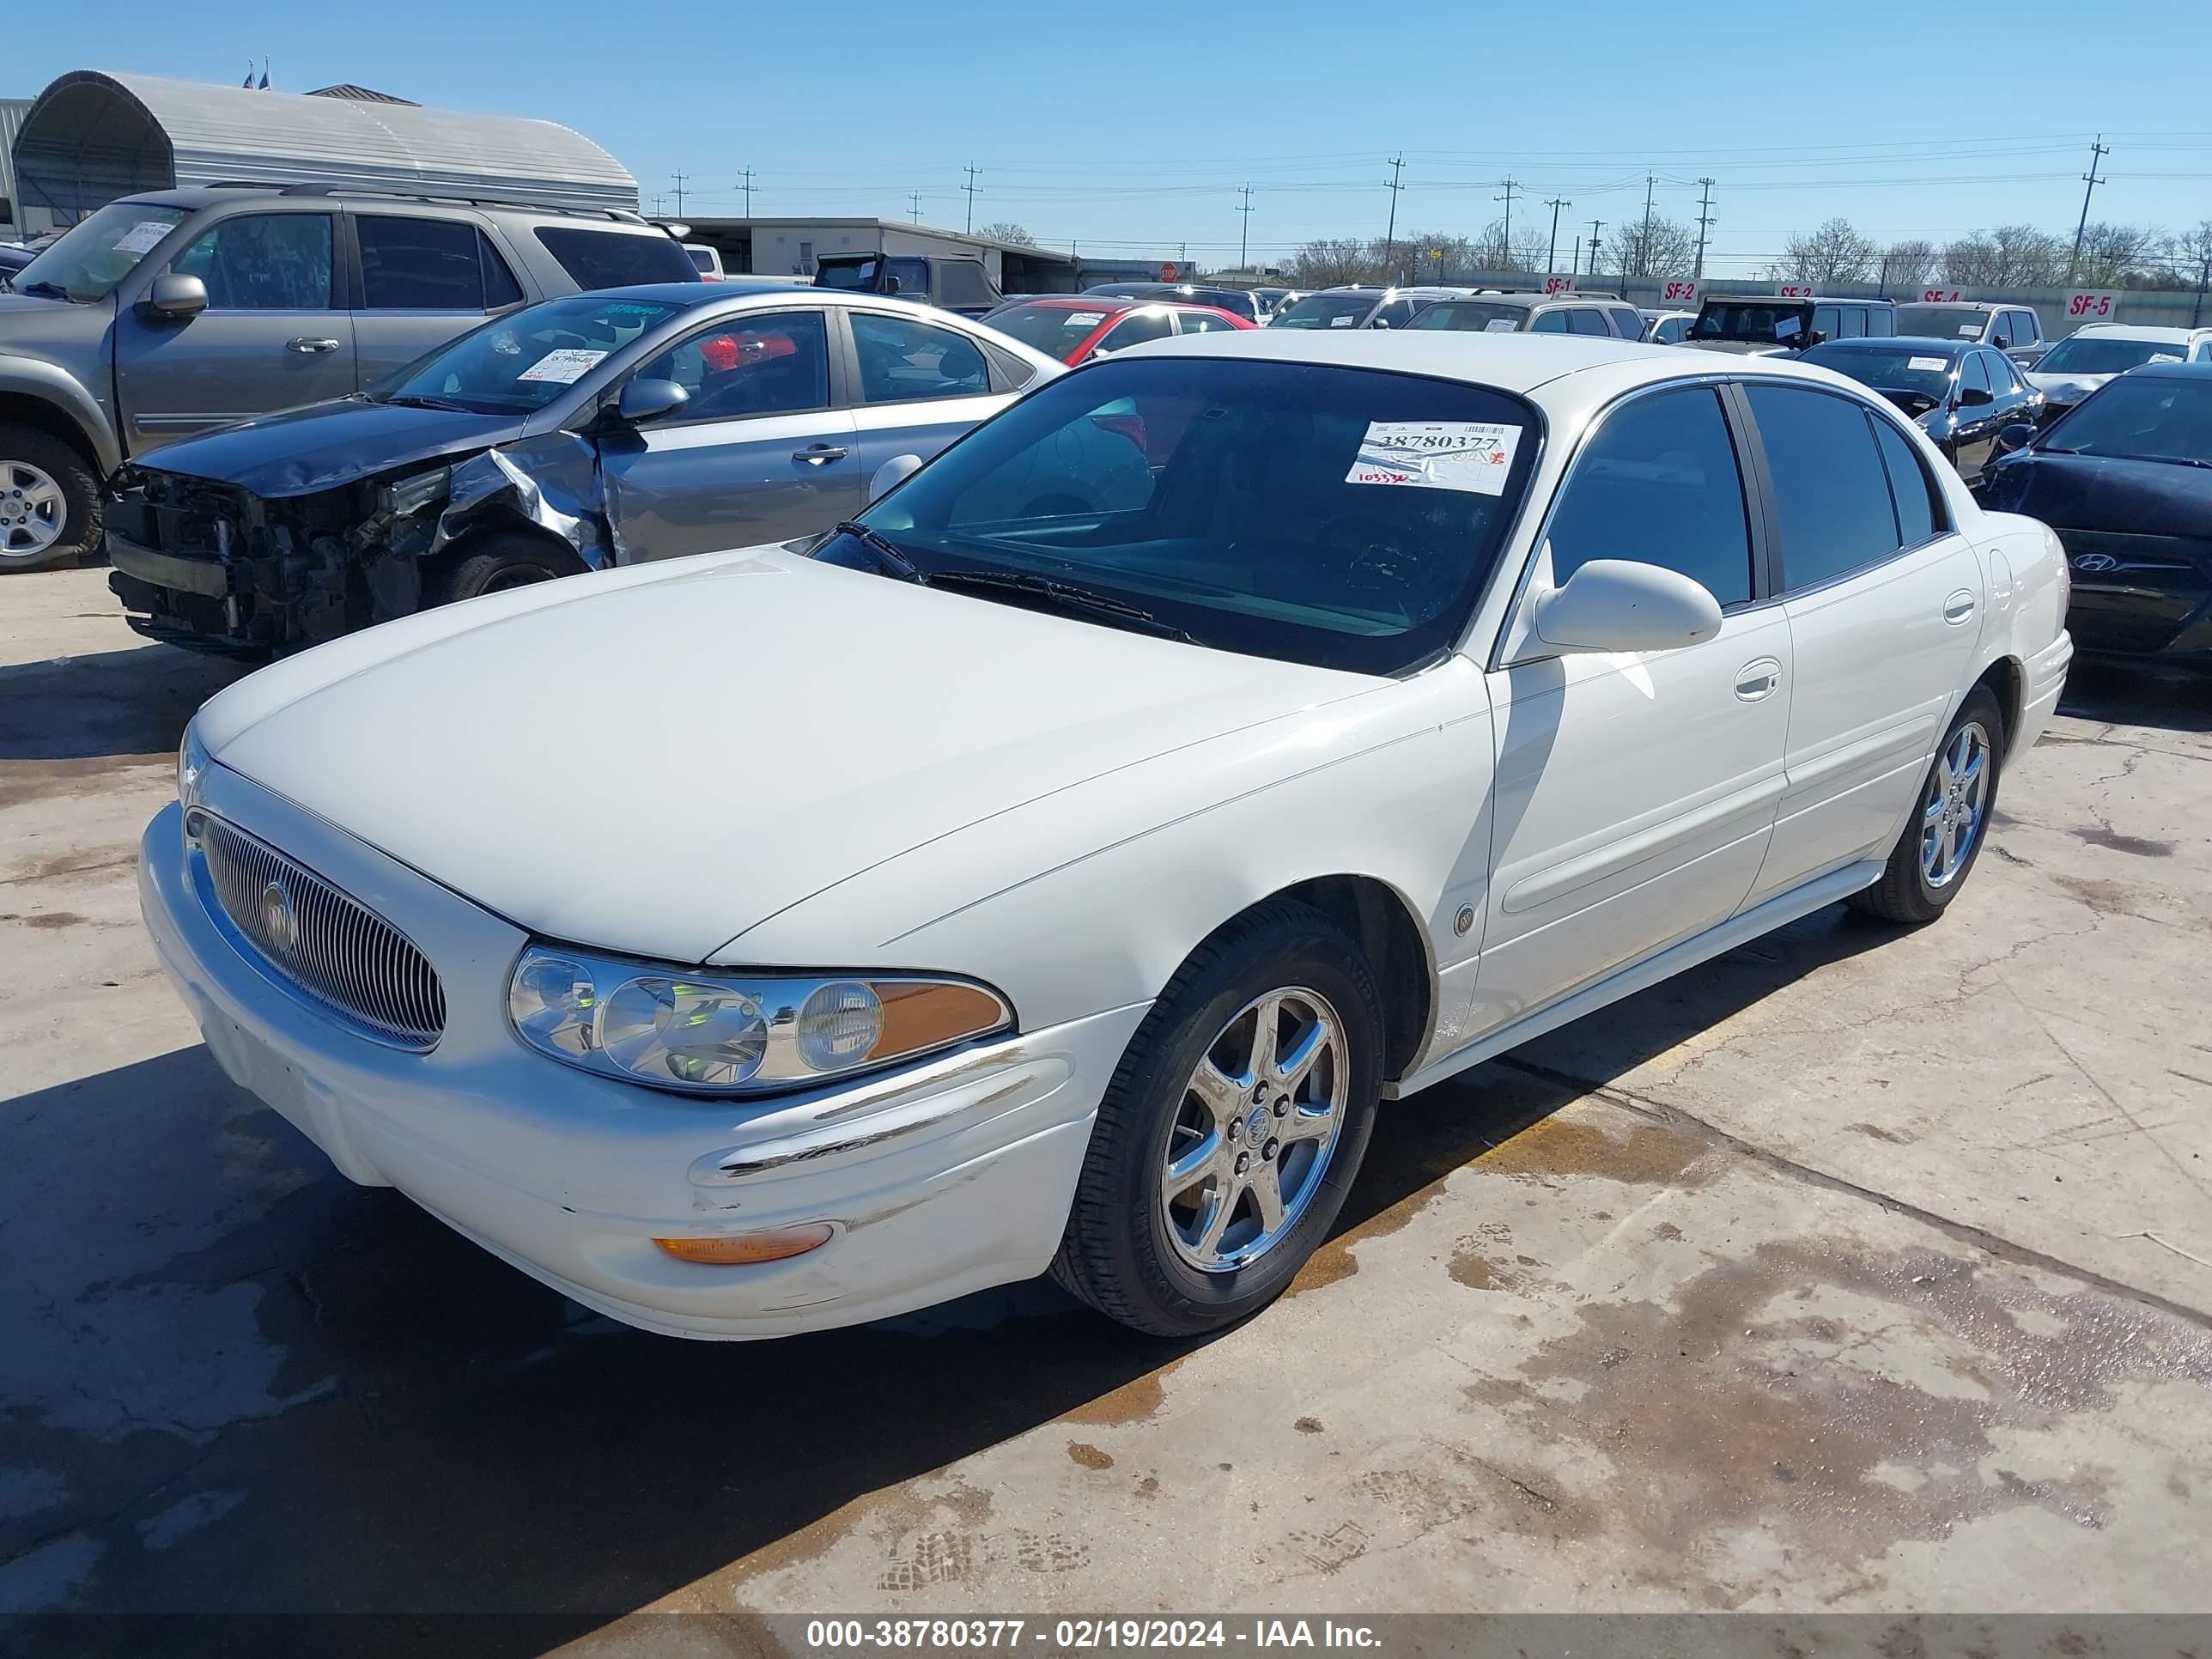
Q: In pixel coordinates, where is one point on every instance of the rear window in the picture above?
(1325, 310)
(1942, 322)
(1471, 317)
(615, 259)
(1054, 330)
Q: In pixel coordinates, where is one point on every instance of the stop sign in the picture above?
(1168, 272)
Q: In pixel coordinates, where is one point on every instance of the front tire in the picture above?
(1938, 846)
(1232, 1128)
(501, 561)
(49, 501)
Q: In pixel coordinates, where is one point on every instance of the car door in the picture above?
(422, 281)
(760, 451)
(916, 385)
(272, 337)
(1884, 599)
(1635, 794)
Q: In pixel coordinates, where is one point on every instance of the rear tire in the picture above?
(50, 505)
(1936, 850)
(501, 561)
(1221, 1157)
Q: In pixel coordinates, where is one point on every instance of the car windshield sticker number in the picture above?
(1970, 329)
(143, 237)
(2165, 357)
(1786, 327)
(564, 366)
(1935, 364)
(1436, 455)
(1499, 326)
(1341, 322)
(1086, 319)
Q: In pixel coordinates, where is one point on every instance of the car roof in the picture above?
(2200, 369)
(1971, 304)
(193, 197)
(1082, 301)
(2143, 331)
(1917, 342)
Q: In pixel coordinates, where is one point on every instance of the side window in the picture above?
(263, 262)
(2004, 377)
(1136, 328)
(1549, 322)
(776, 363)
(500, 287)
(2031, 328)
(420, 265)
(1627, 323)
(1832, 494)
(1912, 493)
(901, 360)
(1396, 315)
(1852, 320)
(1974, 374)
(2202, 354)
(1882, 323)
(1588, 322)
(1203, 322)
(1824, 321)
(1659, 483)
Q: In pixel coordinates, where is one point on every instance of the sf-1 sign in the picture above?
(1557, 284)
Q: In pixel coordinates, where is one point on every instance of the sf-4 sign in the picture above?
(1938, 297)
(2092, 305)
(1679, 293)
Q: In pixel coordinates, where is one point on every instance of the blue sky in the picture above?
(1131, 126)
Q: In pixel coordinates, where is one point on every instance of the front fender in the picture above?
(50, 384)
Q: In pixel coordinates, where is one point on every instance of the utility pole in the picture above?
(679, 176)
(1596, 226)
(2203, 276)
(1390, 236)
(1552, 253)
(1511, 186)
(1643, 252)
(1705, 224)
(2098, 151)
(658, 199)
(1244, 232)
(970, 187)
(913, 197)
(1576, 268)
(745, 183)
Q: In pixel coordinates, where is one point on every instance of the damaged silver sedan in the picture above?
(607, 428)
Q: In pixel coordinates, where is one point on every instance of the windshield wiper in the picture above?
(54, 289)
(406, 402)
(1065, 596)
(885, 549)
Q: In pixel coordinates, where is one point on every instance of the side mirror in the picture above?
(174, 299)
(648, 400)
(890, 285)
(1617, 605)
(1974, 396)
(892, 474)
(2014, 435)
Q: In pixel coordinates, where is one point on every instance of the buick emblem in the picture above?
(280, 922)
(2096, 563)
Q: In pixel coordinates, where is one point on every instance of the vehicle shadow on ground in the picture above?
(128, 702)
(467, 1441)
(2171, 701)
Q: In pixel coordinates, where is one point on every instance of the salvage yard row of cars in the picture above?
(1146, 766)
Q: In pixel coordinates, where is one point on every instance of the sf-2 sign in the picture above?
(1796, 290)
(1679, 293)
(2092, 305)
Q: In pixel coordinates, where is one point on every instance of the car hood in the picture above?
(2066, 388)
(2102, 493)
(653, 760)
(299, 451)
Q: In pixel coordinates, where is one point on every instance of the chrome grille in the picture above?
(319, 940)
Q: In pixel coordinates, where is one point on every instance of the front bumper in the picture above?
(939, 1179)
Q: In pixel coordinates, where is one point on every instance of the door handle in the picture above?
(1758, 679)
(1958, 608)
(307, 347)
(820, 455)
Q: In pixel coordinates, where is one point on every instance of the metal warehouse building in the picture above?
(792, 247)
(90, 137)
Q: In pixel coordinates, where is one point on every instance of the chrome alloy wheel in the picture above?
(1952, 812)
(1255, 1130)
(33, 510)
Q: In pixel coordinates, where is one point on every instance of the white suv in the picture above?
(2093, 355)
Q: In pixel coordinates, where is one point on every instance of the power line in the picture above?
(1596, 226)
(2098, 151)
(1551, 252)
(971, 171)
(679, 176)
(1244, 229)
(1704, 225)
(745, 183)
(914, 197)
(1643, 252)
(1390, 236)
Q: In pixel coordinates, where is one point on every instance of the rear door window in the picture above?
(1882, 323)
(904, 360)
(429, 265)
(1587, 321)
(1824, 321)
(1627, 323)
(1974, 374)
(1831, 506)
(615, 259)
(1912, 492)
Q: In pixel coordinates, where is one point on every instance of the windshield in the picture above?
(1891, 368)
(2102, 354)
(517, 364)
(854, 275)
(1472, 316)
(1325, 311)
(100, 252)
(1942, 322)
(1774, 320)
(1346, 518)
(2164, 417)
(1056, 330)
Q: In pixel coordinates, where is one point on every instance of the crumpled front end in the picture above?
(202, 562)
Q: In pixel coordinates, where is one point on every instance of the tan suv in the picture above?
(1600, 314)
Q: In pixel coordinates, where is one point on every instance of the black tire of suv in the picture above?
(492, 563)
(1903, 894)
(1113, 1254)
(80, 542)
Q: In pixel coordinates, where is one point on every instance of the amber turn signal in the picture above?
(744, 1250)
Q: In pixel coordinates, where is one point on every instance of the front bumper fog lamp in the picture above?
(726, 1034)
(747, 1250)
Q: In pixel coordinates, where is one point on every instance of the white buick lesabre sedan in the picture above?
(1059, 867)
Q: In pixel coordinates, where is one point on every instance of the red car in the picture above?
(1077, 327)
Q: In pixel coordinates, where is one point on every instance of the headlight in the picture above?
(191, 765)
(406, 496)
(725, 1033)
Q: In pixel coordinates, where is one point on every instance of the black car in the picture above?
(2124, 478)
(1237, 301)
(1961, 395)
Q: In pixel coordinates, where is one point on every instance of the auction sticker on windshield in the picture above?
(1436, 455)
(1086, 319)
(143, 237)
(561, 367)
(1500, 325)
(1931, 363)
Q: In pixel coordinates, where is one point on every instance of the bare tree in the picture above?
(2189, 260)
(1910, 263)
(2011, 256)
(1671, 250)
(1435, 257)
(2116, 256)
(1006, 231)
(1834, 253)
(1329, 261)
